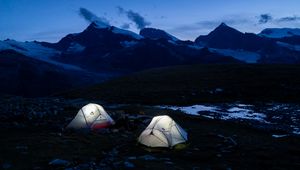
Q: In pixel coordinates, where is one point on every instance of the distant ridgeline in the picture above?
(102, 52)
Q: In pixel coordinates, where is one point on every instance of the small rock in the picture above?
(115, 130)
(147, 157)
(59, 162)
(117, 164)
(22, 148)
(132, 157)
(169, 162)
(83, 166)
(196, 149)
(165, 159)
(128, 164)
(125, 136)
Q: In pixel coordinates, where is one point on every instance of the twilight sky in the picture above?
(50, 20)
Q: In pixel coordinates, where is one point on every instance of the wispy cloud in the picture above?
(289, 19)
(264, 18)
(135, 17)
(268, 18)
(91, 17)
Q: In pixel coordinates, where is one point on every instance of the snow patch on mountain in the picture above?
(247, 56)
(156, 34)
(36, 51)
(100, 24)
(75, 48)
(289, 46)
(197, 47)
(126, 32)
(31, 49)
(172, 42)
(280, 32)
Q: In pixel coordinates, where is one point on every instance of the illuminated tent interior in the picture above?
(163, 131)
(91, 116)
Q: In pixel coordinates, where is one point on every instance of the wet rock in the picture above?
(169, 163)
(22, 148)
(84, 166)
(125, 136)
(196, 149)
(147, 158)
(117, 165)
(59, 162)
(132, 158)
(115, 130)
(128, 164)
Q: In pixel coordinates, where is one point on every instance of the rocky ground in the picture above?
(33, 137)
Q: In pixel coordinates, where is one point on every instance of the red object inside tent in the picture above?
(100, 125)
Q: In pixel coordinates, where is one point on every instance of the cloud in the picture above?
(208, 25)
(229, 21)
(289, 19)
(91, 17)
(267, 18)
(264, 18)
(139, 21)
(125, 26)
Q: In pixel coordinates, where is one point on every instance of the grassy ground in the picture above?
(184, 85)
(31, 143)
(211, 146)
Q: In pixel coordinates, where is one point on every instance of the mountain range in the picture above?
(101, 52)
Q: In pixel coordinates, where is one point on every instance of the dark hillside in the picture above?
(201, 83)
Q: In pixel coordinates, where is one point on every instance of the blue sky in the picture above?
(50, 20)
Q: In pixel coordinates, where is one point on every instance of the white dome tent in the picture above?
(162, 131)
(91, 116)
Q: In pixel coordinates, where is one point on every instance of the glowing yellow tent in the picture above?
(162, 131)
(91, 116)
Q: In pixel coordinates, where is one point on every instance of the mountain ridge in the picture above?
(106, 51)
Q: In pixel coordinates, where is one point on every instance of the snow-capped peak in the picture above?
(100, 24)
(280, 32)
(114, 29)
(126, 32)
(154, 33)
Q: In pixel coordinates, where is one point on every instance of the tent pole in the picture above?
(84, 118)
